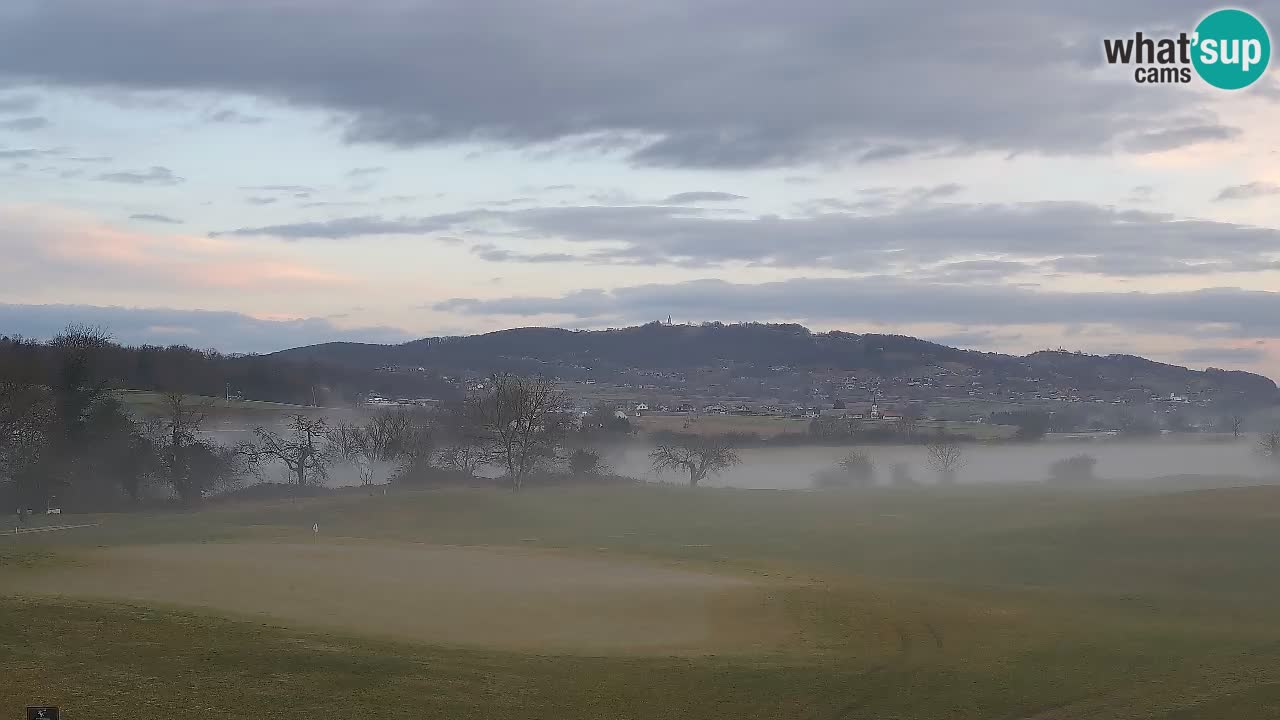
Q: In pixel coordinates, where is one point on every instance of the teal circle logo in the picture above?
(1232, 49)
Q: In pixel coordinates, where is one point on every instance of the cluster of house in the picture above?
(375, 400)
(871, 413)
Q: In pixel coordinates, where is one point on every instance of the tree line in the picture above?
(67, 440)
(180, 368)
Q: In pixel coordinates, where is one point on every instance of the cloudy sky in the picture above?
(256, 174)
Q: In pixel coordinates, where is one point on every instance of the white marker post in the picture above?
(315, 532)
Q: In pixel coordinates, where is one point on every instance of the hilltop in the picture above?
(755, 359)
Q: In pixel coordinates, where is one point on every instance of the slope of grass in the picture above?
(973, 602)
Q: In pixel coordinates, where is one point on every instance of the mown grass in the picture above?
(969, 603)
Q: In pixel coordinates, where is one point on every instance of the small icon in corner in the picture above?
(42, 712)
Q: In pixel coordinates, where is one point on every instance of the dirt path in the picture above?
(488, 597)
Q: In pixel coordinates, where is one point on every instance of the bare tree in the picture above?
(417, 448)
(1235, 422)
(463, 457)
(909, 422)
(387, 434)
(26, 423)
(304, 449)
(193, 467)
(854, 470)
(465, 443)
(351, 444)
(347, 440)
(1269, 446)
(174, 432)
(946, 457)
(699, 456)
(525, 419)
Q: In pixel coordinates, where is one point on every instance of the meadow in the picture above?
(1006, 602)
(767, 426)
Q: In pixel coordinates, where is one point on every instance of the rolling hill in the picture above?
(755, 350)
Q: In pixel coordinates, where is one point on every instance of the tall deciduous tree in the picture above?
(303, 448)
(525, 419)
(699, 456)
(1235, 422)
(945, 456)
(26, 421)
(174, 433)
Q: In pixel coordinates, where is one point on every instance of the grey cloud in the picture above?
(692, 198)
(1224, 355)
(885, 152)
(887, 299)
(495, 254)
(819, 206)
(1134, 265)
(508, 202)
(365, 171)
(227, 331)
(228, 116)
(27, 153)
(25, 124)
(156, 218)
(758, 84)
(333, 204)
(938, 191)
(306, 189)
(976, 339)
(1141, 194)
(979, 270)
(156, 175)
(1089, 237)
(1247, 191)
(352, 227)
(92, 159)
(883, 198)
(18, 103)
(1169, 139)
(260, 200)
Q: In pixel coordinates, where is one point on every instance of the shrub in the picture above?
(853, 470)
(1076, 469)
(586, 463)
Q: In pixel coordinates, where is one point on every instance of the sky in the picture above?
(253, 175)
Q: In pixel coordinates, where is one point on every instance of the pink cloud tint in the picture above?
(70, 247)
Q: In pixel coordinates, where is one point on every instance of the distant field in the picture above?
(720, 424)
(771, 426)
(971, 602)
(145, 402)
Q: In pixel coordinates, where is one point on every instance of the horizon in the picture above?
(1006, 189)
(231, 352)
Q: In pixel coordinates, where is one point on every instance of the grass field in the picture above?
(147, 402)
(972, 602)
(769, 426)
(720, 424)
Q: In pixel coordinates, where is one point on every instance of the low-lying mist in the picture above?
(793, 468)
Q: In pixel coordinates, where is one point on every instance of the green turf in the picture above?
(1007, 603)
